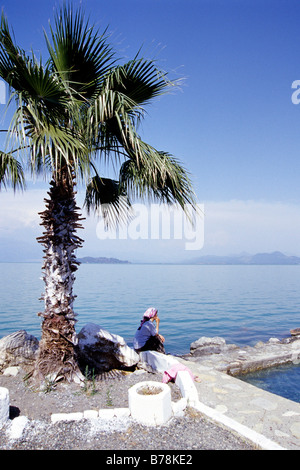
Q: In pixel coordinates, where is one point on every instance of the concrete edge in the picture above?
(188, 390)
(257, 439)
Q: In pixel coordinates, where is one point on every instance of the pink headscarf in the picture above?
(150, 313)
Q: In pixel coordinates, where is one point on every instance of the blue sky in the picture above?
(232, 123)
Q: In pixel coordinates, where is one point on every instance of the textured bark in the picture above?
(61, 221)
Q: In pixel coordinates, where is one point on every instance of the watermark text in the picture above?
(296, 94)
(159, 222)
(2, 92)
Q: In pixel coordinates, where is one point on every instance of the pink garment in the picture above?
(150, 312)
(171, 373)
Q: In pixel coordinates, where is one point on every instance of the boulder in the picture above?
(295, 332)
(18, 349)
(205, 346)
(102, 351)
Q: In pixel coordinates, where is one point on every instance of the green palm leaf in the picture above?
(106, 195)
(159, 176)
(11, 172)
(78, 55)
(142, 81)
(118, 107)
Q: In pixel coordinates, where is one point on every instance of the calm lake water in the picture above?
(242, 304)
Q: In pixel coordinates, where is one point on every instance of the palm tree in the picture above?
(73, 113)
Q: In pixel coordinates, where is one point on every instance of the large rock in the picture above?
(205, 346)
(102, 351)
(18, 349)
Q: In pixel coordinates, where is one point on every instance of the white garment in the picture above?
(142, 335)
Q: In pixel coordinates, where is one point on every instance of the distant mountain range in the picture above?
(101, 260)
(275, 258)
(246, 259)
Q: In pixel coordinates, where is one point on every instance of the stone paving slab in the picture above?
(269, 421)
(270, 415)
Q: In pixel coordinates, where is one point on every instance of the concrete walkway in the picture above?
(269, 421)
(269, 415)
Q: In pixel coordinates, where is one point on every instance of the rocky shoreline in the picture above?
(236, 360)
(101, 351)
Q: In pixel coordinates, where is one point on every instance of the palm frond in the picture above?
(105, 195)
(11, 172)
(142, 81)
(158, 176)
(79, 55)
(7, 51)
(118, 108)
(111, 123)
(26, 74)
(52, 144)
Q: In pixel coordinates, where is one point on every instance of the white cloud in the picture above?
(253, 226)
(20, 210)
(229, 227)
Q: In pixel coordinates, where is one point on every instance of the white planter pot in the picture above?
(150, 409)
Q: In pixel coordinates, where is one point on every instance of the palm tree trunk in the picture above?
(57, 355)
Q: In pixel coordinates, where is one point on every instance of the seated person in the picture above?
(147, 337)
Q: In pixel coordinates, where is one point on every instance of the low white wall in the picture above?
(4, 404)
(164, 362)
